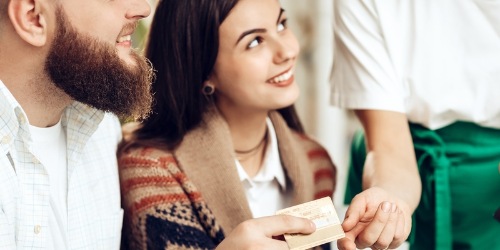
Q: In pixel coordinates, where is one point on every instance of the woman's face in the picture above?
(254, 70)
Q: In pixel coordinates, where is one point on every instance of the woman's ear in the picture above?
(212, 79)
(29, 19)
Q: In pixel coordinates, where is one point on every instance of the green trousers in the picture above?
(459, 168)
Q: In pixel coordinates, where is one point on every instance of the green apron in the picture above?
(458, 166)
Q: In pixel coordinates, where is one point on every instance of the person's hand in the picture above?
(377, 220)
(258, 233)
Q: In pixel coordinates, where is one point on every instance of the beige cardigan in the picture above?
(202, 170)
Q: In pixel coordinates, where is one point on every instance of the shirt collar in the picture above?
(12, 118)
(271, 166)
(82, 119)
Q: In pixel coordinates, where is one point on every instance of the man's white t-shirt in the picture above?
(436, 61)
(49, 146)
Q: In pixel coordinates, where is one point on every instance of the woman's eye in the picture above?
(282, 25)
(255, 42)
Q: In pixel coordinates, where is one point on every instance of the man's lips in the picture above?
(124, 41)
(125, 37)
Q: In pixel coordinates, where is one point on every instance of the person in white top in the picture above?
(423, 78)
(62, 74)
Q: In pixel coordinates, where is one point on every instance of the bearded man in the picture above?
(65, 66)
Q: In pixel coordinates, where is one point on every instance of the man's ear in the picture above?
(29, 19)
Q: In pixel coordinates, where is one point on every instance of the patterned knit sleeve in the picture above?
(325, 172)
(163, 210)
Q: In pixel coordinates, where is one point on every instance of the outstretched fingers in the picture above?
(379, 233)
(355, 213)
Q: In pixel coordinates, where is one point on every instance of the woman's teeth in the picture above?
(283, 77)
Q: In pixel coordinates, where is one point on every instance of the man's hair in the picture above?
(3, 10)
(3, 13)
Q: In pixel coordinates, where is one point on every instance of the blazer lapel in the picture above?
(206, 156)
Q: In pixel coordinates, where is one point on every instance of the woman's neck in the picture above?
(249, 136)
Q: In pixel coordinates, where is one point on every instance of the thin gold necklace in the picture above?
(250, 152)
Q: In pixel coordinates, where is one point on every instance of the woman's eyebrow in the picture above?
(249, 32)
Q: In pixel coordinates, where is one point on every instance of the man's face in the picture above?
(95, 72)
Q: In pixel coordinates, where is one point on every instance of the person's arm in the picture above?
(258, 233)
(390, 163)
(380, 216)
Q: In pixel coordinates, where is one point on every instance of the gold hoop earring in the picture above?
(208, 89)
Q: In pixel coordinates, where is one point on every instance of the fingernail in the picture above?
(394, 208)
(313, 226)
(386, 206)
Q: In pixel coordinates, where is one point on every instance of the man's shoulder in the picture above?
(109, 127)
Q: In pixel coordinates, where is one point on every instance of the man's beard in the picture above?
(91, 72)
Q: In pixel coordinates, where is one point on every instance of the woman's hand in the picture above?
(258, 233)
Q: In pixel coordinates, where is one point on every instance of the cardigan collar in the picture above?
(206, 155)
(271, 168)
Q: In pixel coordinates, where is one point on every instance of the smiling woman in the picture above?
(223, 146)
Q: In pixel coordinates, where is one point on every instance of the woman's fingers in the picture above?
(281, 224)
(258, 233)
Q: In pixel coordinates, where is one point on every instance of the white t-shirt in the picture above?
(436, 61)
(49, 146)
(267, 191)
